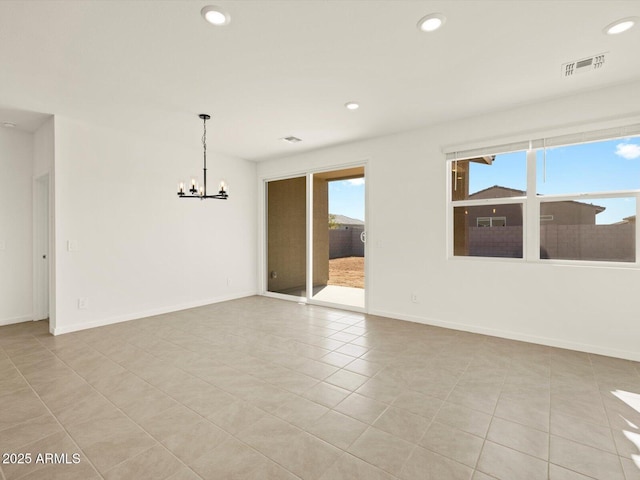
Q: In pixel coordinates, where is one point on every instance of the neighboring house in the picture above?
(342, 222)
(560, 213)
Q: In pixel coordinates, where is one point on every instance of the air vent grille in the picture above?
(589, 64)
(291, 139)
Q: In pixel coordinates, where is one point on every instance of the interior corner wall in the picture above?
(585, 308)
(127, 245)
(16, 264)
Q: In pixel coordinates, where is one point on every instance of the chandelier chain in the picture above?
(204, 137)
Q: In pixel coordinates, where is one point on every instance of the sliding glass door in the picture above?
(315, 232)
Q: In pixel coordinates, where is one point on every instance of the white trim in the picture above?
(478, 258)
(309, 209)
(508, 334)
(147, 313)
(528, 142)
(488, 201)
(337, 306)
(492, 150)
(531, 212)
(284, 296)
(581, 196)
(19, 319)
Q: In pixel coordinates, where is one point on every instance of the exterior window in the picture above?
(580, 206)
(498, 183)
(491, 222)
(492, 176)
(474, 239)
(610, 166)
(576, 233)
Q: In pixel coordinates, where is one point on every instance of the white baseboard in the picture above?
(12, 320)
(523, 337)
(59, 330)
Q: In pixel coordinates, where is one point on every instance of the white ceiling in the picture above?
(285, 68)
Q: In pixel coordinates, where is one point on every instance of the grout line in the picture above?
(55, 417)
(241, 346)
(606, 413)
(179, 403)
(111, 403)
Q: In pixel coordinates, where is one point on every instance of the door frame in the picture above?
(263, 268)
(42, 245)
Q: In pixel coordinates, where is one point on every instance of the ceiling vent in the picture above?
(291, 139)
(589, 64)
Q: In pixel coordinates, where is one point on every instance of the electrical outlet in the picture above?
(414, 297)
(83, 303)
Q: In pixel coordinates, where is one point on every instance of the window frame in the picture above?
(531, 203)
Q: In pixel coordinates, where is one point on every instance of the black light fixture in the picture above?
(201, 192)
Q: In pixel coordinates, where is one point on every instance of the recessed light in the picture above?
(215, 15)
(620, 26)
(291, 139)
(8, 125)
(431, 22)
(352, 105)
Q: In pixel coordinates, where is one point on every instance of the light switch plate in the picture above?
(3, 245)
(72, 245)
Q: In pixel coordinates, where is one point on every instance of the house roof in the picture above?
(283, 68)
(598, 208)
(344, 220)
(500, 187)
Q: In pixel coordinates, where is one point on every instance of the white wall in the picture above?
(16, 283)
(593, 309)
(43, 148)
(140, 249)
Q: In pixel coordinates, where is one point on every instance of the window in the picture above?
(489, 191)
(490, 176)
(473, 238)
(579, 204)
(491, 222)
(577, 234)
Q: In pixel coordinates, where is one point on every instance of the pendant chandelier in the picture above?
(196, 191)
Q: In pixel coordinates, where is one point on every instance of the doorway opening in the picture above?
(41, 226)
(315, 238)
(339, 236)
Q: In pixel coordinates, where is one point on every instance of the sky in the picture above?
(592, 167)
(346, 197)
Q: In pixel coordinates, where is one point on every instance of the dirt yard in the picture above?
(347, 272)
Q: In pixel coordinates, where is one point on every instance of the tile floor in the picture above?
(259, 388)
